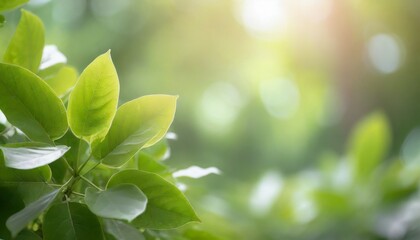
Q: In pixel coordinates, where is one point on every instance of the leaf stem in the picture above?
(84, 164)
(90, 183)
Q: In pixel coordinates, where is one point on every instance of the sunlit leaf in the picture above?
(11, 4)
(139, 123)
(30, 104)
(29, 157)
(196, 172)
(369, 144)
(147, 163)
(167, 207)
(122, 231)
(93, 101)
(19, 220)
(69, 221)
(25, 48)
(125, 201)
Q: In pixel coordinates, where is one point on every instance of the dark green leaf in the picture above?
(125, 201)
(93, 101)
(27, 235)
(13, 176)
(139, 123)
(30, 104)
(31, 157)
(69, 221)
(122, 231)
(19, 220)
(25, 48)
(167, 207)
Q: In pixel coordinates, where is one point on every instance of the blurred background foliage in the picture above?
(308, 107)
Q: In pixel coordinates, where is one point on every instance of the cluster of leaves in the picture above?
(70, 160)
(363, 194)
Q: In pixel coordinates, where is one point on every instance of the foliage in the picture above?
(70, 166)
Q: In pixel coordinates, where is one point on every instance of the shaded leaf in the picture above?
(63, 81)
(93, 101)
(19, 220)
(146, 162)
(25, 48)
(69, 221)
(125, 201)
(30, 157)
(122, 231)
(30, 104)
(167, 207)
(139, 123)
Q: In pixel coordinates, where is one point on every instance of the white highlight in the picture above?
(384, 53)
(51, 56)
(264, 16)
(265, 193)
(196, 172)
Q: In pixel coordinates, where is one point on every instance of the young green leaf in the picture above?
(125, 201)
(30, 104)
(146, 162)
(25, 48)
(369, 144)
(13, 176)
(19, 220)
(11, 4)
(30, 157)
(63, 81)
(167, 207)
(139, 123)
(93, 102)
(122, 231)
(69, 221)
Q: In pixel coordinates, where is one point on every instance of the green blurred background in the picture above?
(269, 92)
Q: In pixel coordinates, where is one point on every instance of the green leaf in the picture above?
(12, 176)
(32, 191)
(369, 144)
(19, 220)
(195, 233)
(69, 221)
(27, 235)
(146, 162)
(122, 231)
(167, 207)
(93, 102)
(139, 123)
(125, 201)
(63, 81)
(30, 104)
(25, 48)
(11, 4)
(10, 202)
(30, 157)
(2, 20)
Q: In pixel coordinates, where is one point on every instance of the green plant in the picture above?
(71, 166)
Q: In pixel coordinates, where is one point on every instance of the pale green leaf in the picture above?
(93, 101)
(25, 48)
(139, 123)
(14, 176)
(369, 144)
(19, 220)
(31, 105)
(69, 221)
(122, 231)
(167, 207)
(63, 81)
(125, 201)
(146, 162)
(11, 4)
(30, 157)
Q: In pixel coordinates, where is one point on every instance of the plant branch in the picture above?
(90, 183)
